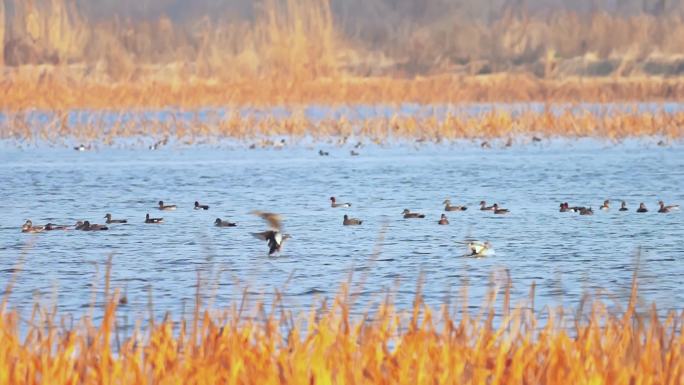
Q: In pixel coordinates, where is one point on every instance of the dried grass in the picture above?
(421, 345)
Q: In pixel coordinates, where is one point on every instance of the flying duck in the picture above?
(109, 219)
(274, 236)
(443, 220)
(333, 203)
(200, 207)
(28, 227)
(87, 226)
(623, 206)
(449, 207)
(408, 214)
(479, 249)
(221, 223)
(497, 210)
(666, 209)
(351, 221)
(605, 206)
(153, 220)
(164, 207)
(642, 208)
(484, 207)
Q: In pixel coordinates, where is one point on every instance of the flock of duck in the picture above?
(275, 237)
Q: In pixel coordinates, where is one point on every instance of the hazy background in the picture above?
(547, 38)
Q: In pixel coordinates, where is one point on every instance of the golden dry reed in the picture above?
(330, 346)
(108, 127)
(295, 52)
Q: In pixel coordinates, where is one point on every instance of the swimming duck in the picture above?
(109, 219)
(497, 210)
(484, 207)
(443, 220)
(564, 208)
(585, 211)
(221, 223)
(449, 207)
(153, 220)
(28, 227)
(353, 153)
(351, 221)
(52, 226)
(82, 147)
(605, 206)
(642, 208)
(275, 237)
(333, 203)
(485, 144)
(164, 207)
(79, 225)
(323, 153)
(623, 206)
(666, 209)
(200, 207)
(479, 249)
(408, 214)
(87, 226)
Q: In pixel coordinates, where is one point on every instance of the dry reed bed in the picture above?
(328, 346)
(56, 89)
(108, 128)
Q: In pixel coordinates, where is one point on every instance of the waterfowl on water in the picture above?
(666, 209)
(408, 214)
(623, 206)
(353, 153)
(52, 226)
(82, 147)
(443, 220)
(164, 207)
(109, 219)
(605, 206)
(484, 207)
(498, 210)
(585, 211)
(221, 223)
(87, 226)
(449, 207)
(200, 207)
(274, 236)
(323, 153)
(153, 220)
(479, 249)
(79, 225)
(351, 221)
(28, 227)
(564, 207)
(642, 208)
(333, 203)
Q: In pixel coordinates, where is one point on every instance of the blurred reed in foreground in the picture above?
(107, 127)
(389, 346)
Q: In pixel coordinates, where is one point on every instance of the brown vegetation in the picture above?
(330, 346)
(107, 127)
(58, 57)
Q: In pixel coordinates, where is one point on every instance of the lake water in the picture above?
(565, 254)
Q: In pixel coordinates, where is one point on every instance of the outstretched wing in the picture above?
(264, 235)
(274, 220)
